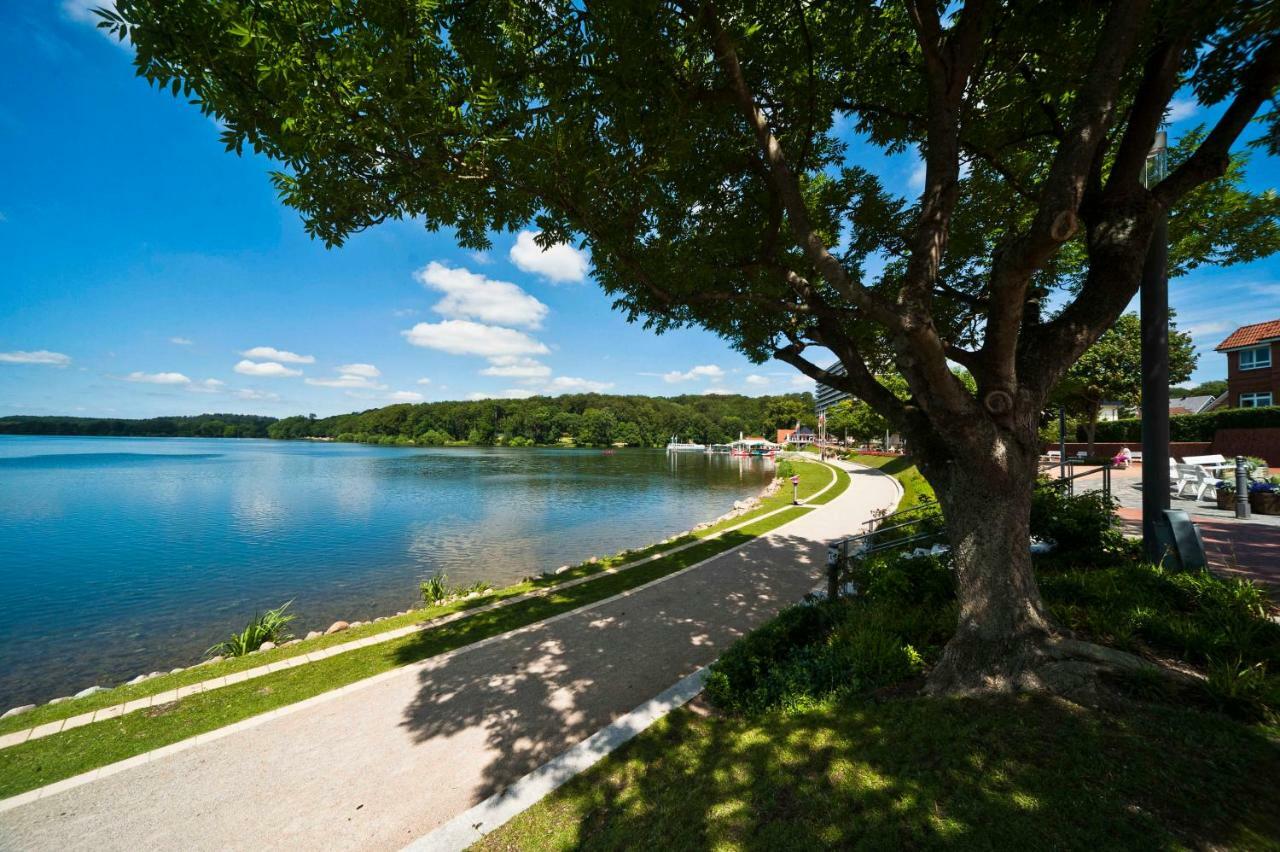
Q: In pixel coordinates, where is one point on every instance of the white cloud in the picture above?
(716, 392)
(270, 353)
(471, 296)
(347, 380)
(424, 381)
(481, 257)
(265, 368)
(158, 378)
(405, 396)
(1182, 108)
(702, 371)
(82, 12)
(559, 263)
(757, 380)
(209, 386)
(802, 381)
(367, 370)
(915, 180)
(462, 337)
(181, 341)
(38, 356)
(513, 367)
(250, 393)
(571, 384)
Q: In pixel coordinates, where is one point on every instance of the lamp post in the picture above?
(1154, 309)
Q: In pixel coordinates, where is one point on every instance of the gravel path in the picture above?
(379, 764)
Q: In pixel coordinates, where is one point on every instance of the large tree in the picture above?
(708, 155)
(1111, 371)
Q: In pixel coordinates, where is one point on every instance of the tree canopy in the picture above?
(1111, 371)
(709, 156)
(583, 419)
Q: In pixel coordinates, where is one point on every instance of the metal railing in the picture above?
(874, 540)
(1069, 482)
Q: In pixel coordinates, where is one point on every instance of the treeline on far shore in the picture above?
(596, 420)
(197, 426)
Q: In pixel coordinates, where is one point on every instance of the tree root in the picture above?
(1054, 664)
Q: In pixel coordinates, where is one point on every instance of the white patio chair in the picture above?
(1196, 477)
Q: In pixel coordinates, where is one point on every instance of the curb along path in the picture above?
(385, 760)
(114, 711)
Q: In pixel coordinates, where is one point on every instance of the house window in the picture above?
(1255, 400)
(1255, 358)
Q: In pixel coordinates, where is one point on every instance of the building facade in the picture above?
(1253, 365)
(824, 397)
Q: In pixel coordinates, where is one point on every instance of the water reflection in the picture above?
(124, 555)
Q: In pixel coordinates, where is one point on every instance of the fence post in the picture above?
(835, 556)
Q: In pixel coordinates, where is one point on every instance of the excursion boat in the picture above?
(677, 446)
(751, 446)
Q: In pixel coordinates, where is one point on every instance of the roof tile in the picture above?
(1248, 334)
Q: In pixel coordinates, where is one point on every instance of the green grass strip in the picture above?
(809, 484)
(39, 762)
(901, 468)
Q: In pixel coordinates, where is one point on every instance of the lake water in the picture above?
(121, 555)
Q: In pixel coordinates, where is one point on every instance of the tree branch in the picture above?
(1212, 158)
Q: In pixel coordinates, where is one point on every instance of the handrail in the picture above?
(879, 522)
(839, 552)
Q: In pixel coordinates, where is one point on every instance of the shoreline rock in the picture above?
(336, 627)
(18, 711)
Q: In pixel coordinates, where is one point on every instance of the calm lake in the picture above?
(126, 555)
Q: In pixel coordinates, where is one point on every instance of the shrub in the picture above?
(435, 589)
(811, 653)
(1195, 427)
(433, 438)
(902, 580)
(1083, 526)
(1241, 688)
(267, 627)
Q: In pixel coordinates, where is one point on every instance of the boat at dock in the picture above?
(678, 446)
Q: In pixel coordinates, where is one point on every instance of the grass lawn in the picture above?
(915, 486)
(812, 732)
(63, 755)
(813, 479)
(1030, 773)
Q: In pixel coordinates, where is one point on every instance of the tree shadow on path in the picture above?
(512, 704)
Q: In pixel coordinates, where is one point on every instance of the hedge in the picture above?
(1195, 427)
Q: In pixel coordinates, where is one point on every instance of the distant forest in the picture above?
(597, 420)
(583, 419)
(199, 426)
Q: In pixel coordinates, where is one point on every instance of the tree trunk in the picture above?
(1002, 628)
(1091, 425)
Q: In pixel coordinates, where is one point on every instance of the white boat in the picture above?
(676, 446)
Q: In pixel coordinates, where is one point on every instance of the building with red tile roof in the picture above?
(1253, 364)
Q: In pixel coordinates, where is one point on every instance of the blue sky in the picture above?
(148, 272)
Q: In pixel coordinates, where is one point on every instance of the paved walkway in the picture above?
(387, 760)
(1234, 548)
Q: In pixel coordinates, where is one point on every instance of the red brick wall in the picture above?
(1263, 443)
(1252, 381)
